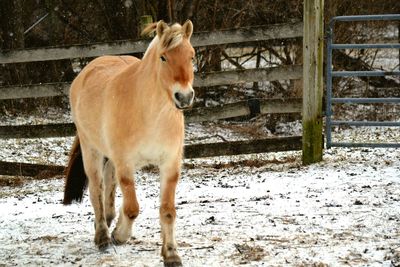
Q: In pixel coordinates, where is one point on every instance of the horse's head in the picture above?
(175, 55)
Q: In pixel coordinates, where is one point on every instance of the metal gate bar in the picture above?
(364, 73)
(330, 74)
(366, 100)
(364, 46)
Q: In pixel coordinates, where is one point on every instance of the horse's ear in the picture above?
(187, 29)
(161, 27)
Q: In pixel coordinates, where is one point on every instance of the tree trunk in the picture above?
(18, 40)
(13, 38)
(187, 11)
(163, 11)
(110, 8)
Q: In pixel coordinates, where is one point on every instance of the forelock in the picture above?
(171, 37)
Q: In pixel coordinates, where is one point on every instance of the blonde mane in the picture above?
(171, 37)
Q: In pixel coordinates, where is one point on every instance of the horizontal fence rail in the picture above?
(289, 72)
(373, 145)
(242, 108)
(366, 123)
(191, 151)
(34, 90)
(199, 39)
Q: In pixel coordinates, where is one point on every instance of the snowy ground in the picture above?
(255, 210)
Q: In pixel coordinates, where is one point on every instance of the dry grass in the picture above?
(11, 181)
(253, 163)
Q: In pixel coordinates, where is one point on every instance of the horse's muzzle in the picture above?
(184, 100)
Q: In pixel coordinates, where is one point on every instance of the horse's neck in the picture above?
(151, 48)
(148, 89)
(143, 74)
(149, 70)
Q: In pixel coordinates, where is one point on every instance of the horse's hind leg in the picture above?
(93, 163)
(169, 180)
(109, 191)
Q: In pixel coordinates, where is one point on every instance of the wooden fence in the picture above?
(242, 108)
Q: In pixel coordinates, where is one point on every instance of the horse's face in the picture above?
(177, 70)
(178, 67)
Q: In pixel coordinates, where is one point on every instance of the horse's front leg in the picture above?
(130, 206)
(169, 180)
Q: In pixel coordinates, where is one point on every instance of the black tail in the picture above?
(76, 179)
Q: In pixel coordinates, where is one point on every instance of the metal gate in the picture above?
(331, 100)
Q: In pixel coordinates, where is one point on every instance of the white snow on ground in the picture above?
(254, 210)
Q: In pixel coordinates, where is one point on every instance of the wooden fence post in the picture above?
(313, 42)
(144, 21)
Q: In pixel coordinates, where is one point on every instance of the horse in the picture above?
(128, 114)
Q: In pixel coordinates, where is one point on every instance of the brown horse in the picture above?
(128, 114)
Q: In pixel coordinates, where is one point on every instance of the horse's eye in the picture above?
(163, 58)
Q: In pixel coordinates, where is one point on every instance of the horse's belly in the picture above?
(149, 157)
(155, 153)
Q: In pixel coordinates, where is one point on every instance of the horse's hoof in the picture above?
(103, 246)
(172, 264)
(173, 261)
(115, 241)
(102, 240)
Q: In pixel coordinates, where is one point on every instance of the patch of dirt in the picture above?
(247, 253)
(47, 238)
(394, 256)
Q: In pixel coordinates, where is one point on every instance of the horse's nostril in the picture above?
(178, 96)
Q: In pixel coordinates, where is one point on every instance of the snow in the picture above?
(253, 210)
(249, 210)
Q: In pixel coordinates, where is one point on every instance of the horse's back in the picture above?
(91, 82)
(100, 70)
(87, 91)
(112, 64)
